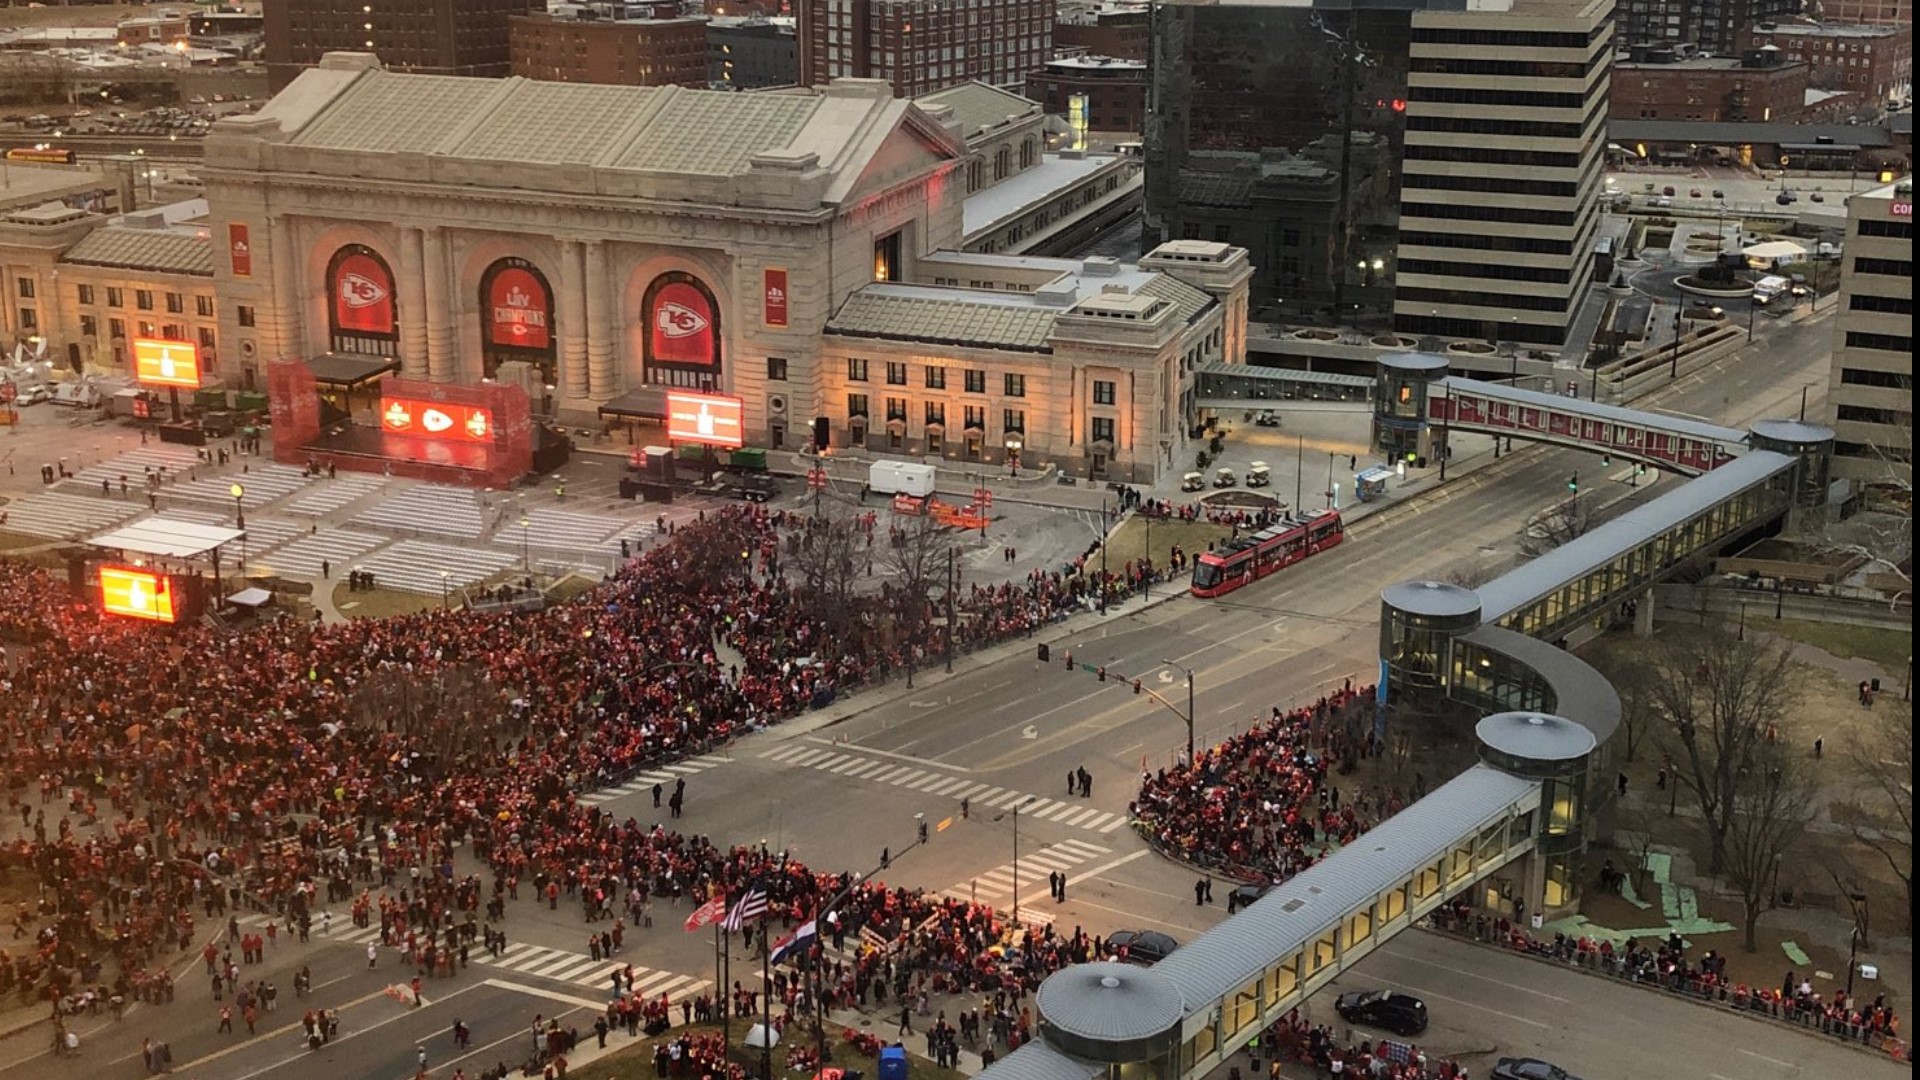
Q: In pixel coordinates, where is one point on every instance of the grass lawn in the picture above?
(379, 603)
(1130, 540)
(1885, 647)
(635, 1061)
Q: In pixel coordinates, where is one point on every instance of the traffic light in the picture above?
(1136, 686)
(1573, 483)
(1046, 655)
(1069, 659)
(1103, 673)
(923, 832)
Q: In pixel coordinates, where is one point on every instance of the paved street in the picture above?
(1001, 734)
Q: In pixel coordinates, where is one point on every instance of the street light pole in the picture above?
(1105, 531)
(239, 508)
(445, 575)
(526, 552)
(1189, 717)
(1017, 807)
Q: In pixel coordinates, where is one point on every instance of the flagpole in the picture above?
(766, 1007)
(722, 963)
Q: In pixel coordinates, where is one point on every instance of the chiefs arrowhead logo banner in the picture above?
(681, 322)
(362, 294)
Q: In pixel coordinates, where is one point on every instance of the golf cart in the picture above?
(1257, 475)
(1223, 477)
(1267, 418)
(1193, 481)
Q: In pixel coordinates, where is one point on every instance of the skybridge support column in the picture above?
(1643, 614)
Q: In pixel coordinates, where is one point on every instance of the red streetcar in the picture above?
(1253, 557)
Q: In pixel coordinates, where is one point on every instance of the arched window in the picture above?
(1002, 164)
(1026, 154)
(976, 175)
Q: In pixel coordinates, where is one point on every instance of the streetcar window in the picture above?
(1205, 575)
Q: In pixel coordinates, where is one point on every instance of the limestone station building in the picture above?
(796, 250)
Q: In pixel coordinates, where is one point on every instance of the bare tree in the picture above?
(1882, 532)
(1773, 802)
(1565, 522)
(1628, 665)
(1720, 700)
(828, 559)
(1882, 803)
(916, 557)
(445, 713)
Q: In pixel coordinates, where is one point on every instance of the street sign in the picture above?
(983, 496)
(817, 479)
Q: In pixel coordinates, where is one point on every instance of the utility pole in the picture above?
(951, 555)
(1103, 557)
(1446, 410)
(1299, 472)
(1189, 717)
(1146, 579)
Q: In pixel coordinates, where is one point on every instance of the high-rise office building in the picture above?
(920, 46)
(1714, 25)
(1392, 163)
(1870, 391)
(1505, 150)
(432, 37)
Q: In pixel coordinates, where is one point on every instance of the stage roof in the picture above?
(166, 539)
(336, 369)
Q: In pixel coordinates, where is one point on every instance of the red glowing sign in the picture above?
(713, 419)
(166, 363)
(137, 594)
(682, 324)
(517, 307)
(432, 420)
(362, 294)
(776, 296)
(239, 250)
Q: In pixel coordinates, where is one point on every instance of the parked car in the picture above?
(1817, 197)
(1694, 193)
(1529, 1069)
(1668, 190)
(1718, 194)
(1143, 946)
(1786, 198)
(35, 394)
(1402, 1014)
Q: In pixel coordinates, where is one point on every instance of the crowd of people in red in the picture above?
(1260, 806)
(157, 777)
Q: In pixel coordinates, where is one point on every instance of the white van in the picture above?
(1768, 288)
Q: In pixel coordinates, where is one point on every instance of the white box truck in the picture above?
(900, 478)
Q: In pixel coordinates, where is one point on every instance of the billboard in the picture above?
(433, 420)
(681, 322)
(519, 308)
(166, 363)
(776, 296)
(714, 419)
(362, 293)
(137, 594)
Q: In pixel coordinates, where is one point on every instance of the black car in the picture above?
(1143, 946)
(756, 488)
(1243, 897)
(1402, 1014)
(1529, 1069)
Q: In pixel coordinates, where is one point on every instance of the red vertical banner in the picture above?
(683, 331)
(776, 296)
(517, 307)
(239, 249)
(363, 295)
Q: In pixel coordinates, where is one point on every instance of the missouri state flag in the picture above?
(796, 943)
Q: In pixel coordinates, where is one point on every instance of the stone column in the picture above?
(412, 287)
(602, 342)
(573, 320)
(289, 299)
(442, 363)
(1643, 614)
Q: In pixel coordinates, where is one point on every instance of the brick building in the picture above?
(1884, 12)
(1875, 62)
(920, 46)
(431, 37)
(1657, 84)
(1115, 90)
(664, 51)
(1713, 25)
(1116, 30)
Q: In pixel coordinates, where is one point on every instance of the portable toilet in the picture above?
(893, 1063)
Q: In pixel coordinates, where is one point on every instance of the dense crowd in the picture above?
(160, 776)
(1259, 806)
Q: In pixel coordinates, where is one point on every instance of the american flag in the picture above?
(751, 905)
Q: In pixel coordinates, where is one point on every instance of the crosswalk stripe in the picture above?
(538, 957)
(1038, 807)
(969, 791)
(886, 774)
(851, 764)
(684, 768)
(831, 760)
(1063, 811)
(714, 759)
(867, 770)
(517, 949)
(1118, 820)
(945, 788)
(807, 755)
(580, 967)
(653, 985)
(923, 785)
(1050, 860)
(553, 965)
(1086, 849)
(1083, 815)
(898, 780)
(999, 802)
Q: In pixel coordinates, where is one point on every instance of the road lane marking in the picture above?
(1765, 1058)
(894, 754)
(305, 1053)
(1476, 975)
(543, 992)
(1477, 1005)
